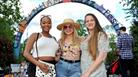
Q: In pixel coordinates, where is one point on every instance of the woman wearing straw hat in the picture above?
(69, 63)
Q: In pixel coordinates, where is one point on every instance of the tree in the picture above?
(9, 15)
(131, 8)
(111, 55)
(82, 31)
(134, 33)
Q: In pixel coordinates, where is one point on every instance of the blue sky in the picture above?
(69, 10)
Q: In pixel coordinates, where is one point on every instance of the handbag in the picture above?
(31, 70)
(51, 71)
(115, 66)
(51, 68)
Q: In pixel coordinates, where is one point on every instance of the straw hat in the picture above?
(68, 21)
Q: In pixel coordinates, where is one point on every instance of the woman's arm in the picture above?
(58, 55)
(58, 52)
(28, 56)
(28, 48)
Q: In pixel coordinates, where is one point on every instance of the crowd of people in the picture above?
(73, 55)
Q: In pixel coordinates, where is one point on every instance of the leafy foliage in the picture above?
(131, 8)
(134, 32)
(82, 31)
(112, 54)
(9, 15)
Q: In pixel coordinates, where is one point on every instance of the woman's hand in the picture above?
(86, 74)
(58, 55)
(43, 67)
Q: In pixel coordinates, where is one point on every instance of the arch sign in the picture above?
(49, 3)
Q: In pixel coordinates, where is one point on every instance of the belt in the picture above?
(70, 61)
(51, 62)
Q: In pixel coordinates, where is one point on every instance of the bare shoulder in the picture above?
(32, 37)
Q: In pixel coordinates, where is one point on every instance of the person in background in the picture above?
(46, 48)
(124, 50)
(22, 25)
(94, 49)
(69, 63)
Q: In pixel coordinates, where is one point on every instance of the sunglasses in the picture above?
(70, 27)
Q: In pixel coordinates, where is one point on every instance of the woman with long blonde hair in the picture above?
(69, 63)
(94, 49)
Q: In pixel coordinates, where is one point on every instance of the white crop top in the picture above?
(46, 47)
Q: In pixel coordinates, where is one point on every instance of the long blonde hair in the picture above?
(93, 41)
(76, 39)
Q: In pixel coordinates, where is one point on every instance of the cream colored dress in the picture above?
(86, 59)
